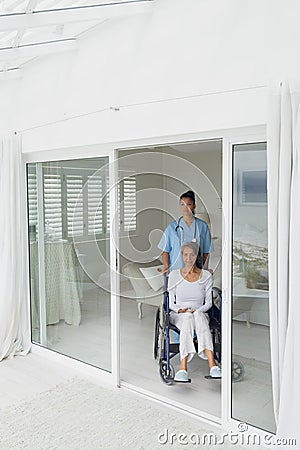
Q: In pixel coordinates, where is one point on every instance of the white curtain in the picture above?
(284, 253)
(14, 321)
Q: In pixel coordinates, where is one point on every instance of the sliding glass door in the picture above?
(73, 260)
(251, 366)
(69, 249)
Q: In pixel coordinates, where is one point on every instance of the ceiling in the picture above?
(31, 28)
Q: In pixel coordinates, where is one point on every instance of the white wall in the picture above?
(207, 157)
(184, 48)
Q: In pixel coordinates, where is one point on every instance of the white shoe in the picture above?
(215, 372)
(181, 376)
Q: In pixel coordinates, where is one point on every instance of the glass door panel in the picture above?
(152, 182)
(70, 258)
(251, 375)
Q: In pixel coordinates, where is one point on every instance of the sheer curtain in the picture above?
(14, 321)
(284, 251)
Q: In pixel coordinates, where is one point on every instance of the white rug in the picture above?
(80, 415)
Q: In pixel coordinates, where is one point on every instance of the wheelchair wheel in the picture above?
(216, 295)
(167, 376)
(217, 345)
(156, 334)
(238, 371)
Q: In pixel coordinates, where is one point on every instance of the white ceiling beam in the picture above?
(31, 5)
(38, 19)
(10, 74)
(20, 33)
(33, 50)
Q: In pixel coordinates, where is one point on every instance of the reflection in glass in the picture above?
(251, 377)
(69, 258)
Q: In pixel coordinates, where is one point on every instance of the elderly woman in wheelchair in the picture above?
(190, 294)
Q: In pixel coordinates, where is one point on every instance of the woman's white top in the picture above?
(195, 294)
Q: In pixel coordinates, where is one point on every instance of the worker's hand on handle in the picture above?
(164, 270)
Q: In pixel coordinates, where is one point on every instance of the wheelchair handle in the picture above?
(165, 281)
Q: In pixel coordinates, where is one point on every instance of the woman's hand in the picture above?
(184, 310)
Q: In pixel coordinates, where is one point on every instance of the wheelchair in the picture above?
(164, 350)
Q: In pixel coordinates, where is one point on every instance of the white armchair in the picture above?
(142, 290)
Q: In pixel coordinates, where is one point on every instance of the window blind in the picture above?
(70, 210)
(53, 203)
(74, 205)
(94, 207)
(129, 204)
(32, 199)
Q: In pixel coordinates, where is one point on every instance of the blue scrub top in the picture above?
(172, 240)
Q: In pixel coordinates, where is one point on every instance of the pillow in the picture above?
(155, 279)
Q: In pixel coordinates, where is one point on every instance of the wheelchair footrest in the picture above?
(209, 377)
(168, 379)
(189, 381)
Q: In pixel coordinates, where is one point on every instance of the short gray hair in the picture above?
(192, 245)
(197, 251)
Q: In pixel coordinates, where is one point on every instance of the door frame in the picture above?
(229, 138)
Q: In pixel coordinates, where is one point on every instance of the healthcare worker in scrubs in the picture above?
(187, 228)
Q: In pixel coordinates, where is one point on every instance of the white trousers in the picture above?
(188, 323)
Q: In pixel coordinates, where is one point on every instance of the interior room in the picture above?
(109, 111)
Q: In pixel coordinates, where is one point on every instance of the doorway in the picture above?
(153, 179)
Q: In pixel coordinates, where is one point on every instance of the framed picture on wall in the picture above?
(253, 187)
